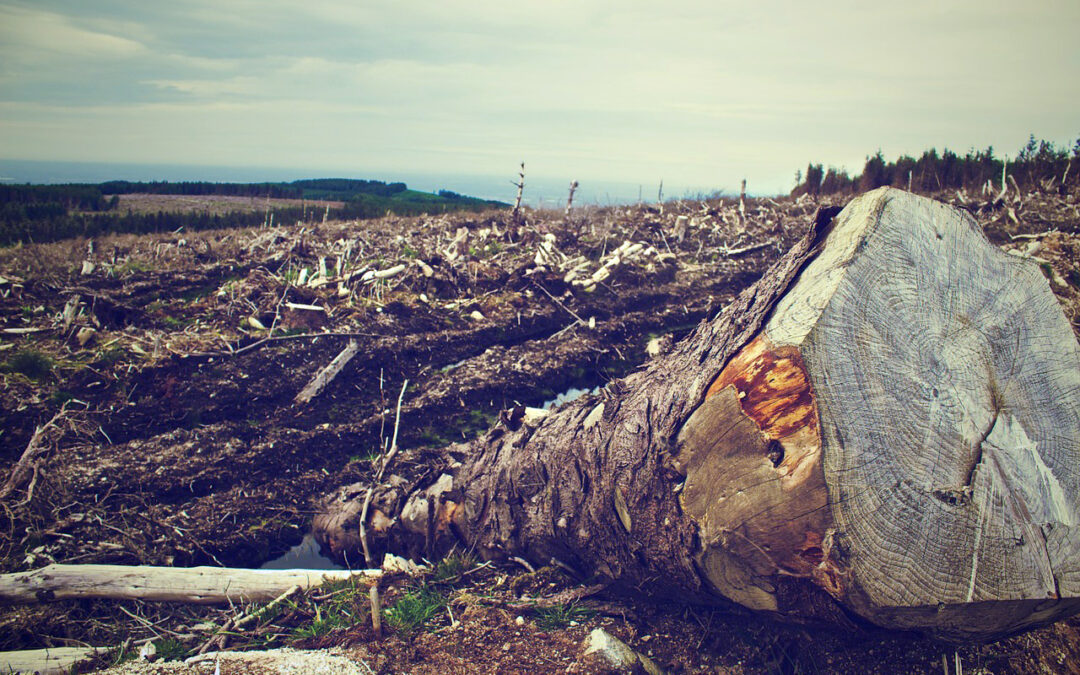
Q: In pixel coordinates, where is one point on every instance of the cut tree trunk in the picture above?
(886, 427)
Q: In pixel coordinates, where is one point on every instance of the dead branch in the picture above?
(25, 465)
(267, 340)
(521, 189)
(327, 374)
(378, 477)
(570, 199)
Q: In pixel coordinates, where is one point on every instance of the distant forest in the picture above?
(1039, 164)
(41, 213)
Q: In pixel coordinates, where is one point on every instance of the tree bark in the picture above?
(885, 426)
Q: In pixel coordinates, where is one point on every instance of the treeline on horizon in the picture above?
(43, 213)
(1038, 164)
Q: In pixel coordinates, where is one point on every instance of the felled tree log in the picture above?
(56, 661)
(194, 585)
(886, 426)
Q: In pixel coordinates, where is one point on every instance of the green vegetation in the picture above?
(41, 213)
(171, 649)
(453, 566)
(321, 625)
(1037, 161)
(415, 608)
(560, 616)
(32, 364)
(343, 604)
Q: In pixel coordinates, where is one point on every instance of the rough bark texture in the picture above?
(593, 485)
(885, 424)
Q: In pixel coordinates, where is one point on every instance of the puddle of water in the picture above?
(304, 556)
(567, 396)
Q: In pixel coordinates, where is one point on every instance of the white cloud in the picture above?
(632, 91)
(24, 30)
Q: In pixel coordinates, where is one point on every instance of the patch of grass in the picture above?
(319, 626)
(369, 457)
(121, 655)
(560, 616)
(175, 322)
(345, 604)
(133, 266)
(409, 252)
(453, 566)
(32, 364)
(348, 599)
(433, 438)
(414, 609)
(171, 649)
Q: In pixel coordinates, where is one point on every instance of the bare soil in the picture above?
(178, 440)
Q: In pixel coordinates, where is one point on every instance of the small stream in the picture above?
(304, 556)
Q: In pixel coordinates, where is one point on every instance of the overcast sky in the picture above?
(694, 93)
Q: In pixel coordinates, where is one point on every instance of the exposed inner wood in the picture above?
(754, 483)
(904, 431)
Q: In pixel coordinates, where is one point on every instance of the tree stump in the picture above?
(885, 426)
(904, 431)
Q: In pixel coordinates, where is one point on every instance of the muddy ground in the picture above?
(162, 372)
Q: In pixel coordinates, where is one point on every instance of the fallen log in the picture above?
(55, 661)
(193, 585)
(883, 429)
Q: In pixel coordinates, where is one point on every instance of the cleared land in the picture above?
(176, 359)
(215, 204)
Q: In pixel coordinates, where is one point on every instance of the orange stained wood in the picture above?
(773, 388)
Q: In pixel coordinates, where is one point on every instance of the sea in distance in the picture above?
(540, 192)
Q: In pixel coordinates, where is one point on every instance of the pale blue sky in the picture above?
(699, 94)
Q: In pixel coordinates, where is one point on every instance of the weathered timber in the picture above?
(886, 426)
(193, 585)
(55, 661)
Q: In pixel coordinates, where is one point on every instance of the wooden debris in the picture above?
(53, 661)
(328, 373)
(570, 198)
(516, 215)
(192, 585)
(71, 309)
(85, 335)
(24, 331)
(24, 466)
(376, 610)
